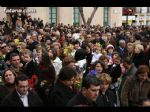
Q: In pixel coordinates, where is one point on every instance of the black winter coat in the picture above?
(13, 100)
(80, 101)
(106, 100)
(60, 95)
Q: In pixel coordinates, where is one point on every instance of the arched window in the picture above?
(53, 15)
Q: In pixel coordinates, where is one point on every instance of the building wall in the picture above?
(41, 12)
(115, 17)
(65, 15)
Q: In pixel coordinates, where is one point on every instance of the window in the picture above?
(53, 15)
(106, 15)
(76, 16)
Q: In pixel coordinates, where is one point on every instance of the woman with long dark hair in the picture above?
(44, 72)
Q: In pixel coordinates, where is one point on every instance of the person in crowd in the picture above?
(110, 49)
(139, 57)
(122, 48)
(106, 97)
(22, 96)
(89, 56)
(26, 57)
(130, 71)
(137, 88)
(105, 60)
(8, 80)
(68, 61)
(57, 63)
(41, 74)
(96, 53)
(88, 95)
(98, 68)
(63, 89)
(15, 64)
(130, 50)
(31, 44)
(115, 69)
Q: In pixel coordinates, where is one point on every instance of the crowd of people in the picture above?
(73, 65)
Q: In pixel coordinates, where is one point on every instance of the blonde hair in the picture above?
(105, 78)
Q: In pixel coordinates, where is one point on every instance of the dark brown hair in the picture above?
(3, 75)
(142, 69)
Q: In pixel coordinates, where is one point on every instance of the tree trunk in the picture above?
(82, 15)
(92, 16)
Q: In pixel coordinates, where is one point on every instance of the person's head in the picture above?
(110, 48)
(142, 73)
(67, 75)
(105, 81)
(127, 62)
(27, 55)
(21, 46)
(8, 76)
(104, 59)
(138, 48)
(76, 45)
(88, 49)
(98, 49)
(90, 87)
(108, 34)
(99, 67)
(122, 43)
(4, 48)
(34, 37)
(117, 60)
(21, 84)
(29, 39)
(130, 48)
(88, 38)
(52, 53)
(15, 60)
(127, 33)
(68, 61)
(115, 54)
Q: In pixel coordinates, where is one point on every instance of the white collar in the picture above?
(22, 96)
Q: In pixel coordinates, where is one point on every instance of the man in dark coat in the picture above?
(88, 95)
(63, 89)
(31, 44)
(129, 72)
(22, 96)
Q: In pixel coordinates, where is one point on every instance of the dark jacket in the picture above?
(132, 93)
(60, 94)
(106, 100)
(13, 100)
(5, 90)
(129, 73)
(79, 100)
(141, 59)
(121, 52)
(43, 73)
(32, 45)
(115, 72)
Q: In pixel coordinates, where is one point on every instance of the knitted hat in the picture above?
(109, 46)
